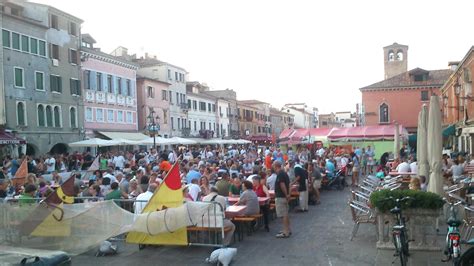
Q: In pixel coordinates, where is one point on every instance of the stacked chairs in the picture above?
(361, 210)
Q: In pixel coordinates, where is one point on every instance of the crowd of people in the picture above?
(208, 174)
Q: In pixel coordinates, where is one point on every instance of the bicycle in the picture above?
(453, 236)
(399, 231)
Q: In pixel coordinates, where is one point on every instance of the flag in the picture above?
(47, 218)
(168, 195)
(21, 173)
(95, 165)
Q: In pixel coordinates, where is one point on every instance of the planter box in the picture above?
(421, 228)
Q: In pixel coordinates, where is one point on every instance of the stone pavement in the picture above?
(320, 237)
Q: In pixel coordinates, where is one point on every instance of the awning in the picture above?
(260, 138)
(449, 131)
(385, 132)
(124, 135)
(7, 138)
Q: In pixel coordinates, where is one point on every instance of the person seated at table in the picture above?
(204, 185)
(456, 171)
(261, 190)
(223, 183)
(403, 167)
(213, 196)
(415, 184)
(249, 198)
(260, 187)
(235, 187)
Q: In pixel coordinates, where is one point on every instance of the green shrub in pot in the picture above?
(421, 199)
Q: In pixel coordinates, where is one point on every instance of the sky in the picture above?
(317, 52)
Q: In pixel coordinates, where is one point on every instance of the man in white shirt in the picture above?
(194, 189)
(403, 167)
(51, 164)
(119, 161)
(171, 157)
(271, 180)
(143, 198)
(214, 197)
(414, 167)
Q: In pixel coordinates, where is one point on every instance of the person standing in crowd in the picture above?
(301, 177)
(370, 160)
(50, 164)
(355, 169)
(316, 180)
(282, 197)
(119, 161)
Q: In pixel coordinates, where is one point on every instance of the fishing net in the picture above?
(76, 228)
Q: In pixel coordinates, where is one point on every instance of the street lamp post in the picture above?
(153, 125)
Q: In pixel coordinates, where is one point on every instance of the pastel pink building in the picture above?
(152, 94)
(109, 82)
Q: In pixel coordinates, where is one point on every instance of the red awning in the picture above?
(286, 133)
(7, 138)
(367, 133)
(260, 138)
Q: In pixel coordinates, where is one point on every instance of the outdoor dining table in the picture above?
(393, 173)
(261, 200)
(233, 210)
(294, 190)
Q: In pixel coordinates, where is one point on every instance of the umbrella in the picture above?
(434, 139)
(149, 141)
(180, 141)
(421, 144)
(243, 141)
(396, 142)
(94, 142)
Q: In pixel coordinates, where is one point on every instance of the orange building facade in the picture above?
(400, 98)
(458, 106)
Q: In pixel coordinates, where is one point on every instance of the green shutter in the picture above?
(39, 81)
(6, 38)
(25, 43)
(41, 116)
(34, 46)
(19, 77)
(15, 41)
(42, 48)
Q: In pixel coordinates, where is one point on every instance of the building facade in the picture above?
(152, 68)
(280, 121)
(303, 116)
(202, 115)
(109, 89)
(152, 99)
(458, 105)
(41, 76)
(400, 98)
(262, 121)
(229, 96)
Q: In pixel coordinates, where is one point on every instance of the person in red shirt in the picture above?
(268, 161)
(260, 188)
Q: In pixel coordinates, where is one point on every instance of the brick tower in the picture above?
(395, 59)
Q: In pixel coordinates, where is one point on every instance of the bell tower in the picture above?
(395, 59)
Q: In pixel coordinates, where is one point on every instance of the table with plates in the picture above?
(233, 211)
(261, 200)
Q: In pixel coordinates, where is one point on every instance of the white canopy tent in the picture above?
(94, 142)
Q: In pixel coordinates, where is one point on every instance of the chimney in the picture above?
(453, 65)
(124, 52)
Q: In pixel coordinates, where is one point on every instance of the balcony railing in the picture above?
(111, 98)
(100, 97)
(186, 132)
(120, 100)
(90, 97)
(130, 101)
(184, 106)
